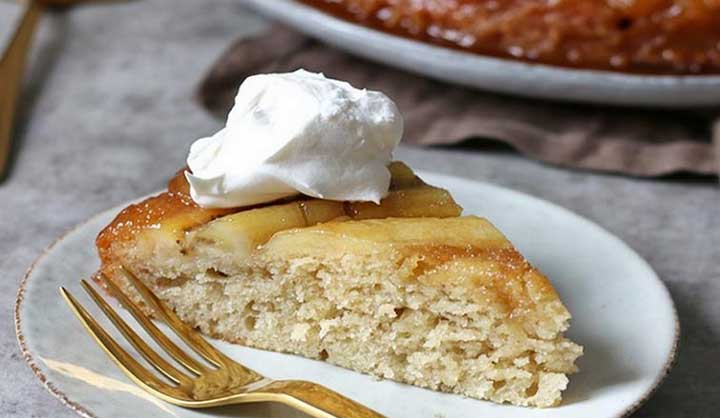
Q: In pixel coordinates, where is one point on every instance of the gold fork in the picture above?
(12, 68)
(199, 386)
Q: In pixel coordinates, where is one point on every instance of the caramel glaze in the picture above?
(177, 208)
(638, 36)
(151, 212)
(511, 276)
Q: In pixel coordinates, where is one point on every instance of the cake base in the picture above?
(446, 304)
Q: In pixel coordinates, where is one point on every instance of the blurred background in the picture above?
(114, 93)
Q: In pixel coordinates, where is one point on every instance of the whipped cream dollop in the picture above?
(293, 133)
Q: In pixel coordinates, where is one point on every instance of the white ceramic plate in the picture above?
(494, 74)
(622, 314)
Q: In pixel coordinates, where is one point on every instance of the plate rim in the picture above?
(667, 93)
(24, 350)
(84, 412)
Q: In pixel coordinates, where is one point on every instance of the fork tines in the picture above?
(139, 373)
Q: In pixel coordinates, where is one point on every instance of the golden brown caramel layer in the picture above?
(174, 212)
(466, 253)
(645, 36)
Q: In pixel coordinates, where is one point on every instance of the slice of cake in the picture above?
(292, 230)
(405, 290)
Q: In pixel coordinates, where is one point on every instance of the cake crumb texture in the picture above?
(442, 303)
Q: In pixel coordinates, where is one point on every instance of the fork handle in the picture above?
(319, 401)
(12, 64)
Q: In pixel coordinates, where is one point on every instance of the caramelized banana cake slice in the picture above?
(405, 290)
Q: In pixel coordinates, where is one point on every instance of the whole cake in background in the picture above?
(640, 36)
(294, 231)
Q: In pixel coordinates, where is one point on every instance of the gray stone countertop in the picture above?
(108, 115)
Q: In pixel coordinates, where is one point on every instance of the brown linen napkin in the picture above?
(623, 140)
